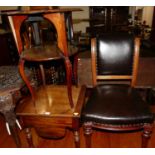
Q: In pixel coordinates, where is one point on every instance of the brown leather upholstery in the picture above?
(118, 61)
(116, 104)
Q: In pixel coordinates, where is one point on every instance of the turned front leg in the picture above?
(88, 133)
(147, 130)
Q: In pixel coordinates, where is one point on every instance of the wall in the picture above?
(148, 14)
(78, 23)
(7, 8)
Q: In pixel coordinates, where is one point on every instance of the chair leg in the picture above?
(76, 139)
(147, 130)
(88, 133)
(29, 137)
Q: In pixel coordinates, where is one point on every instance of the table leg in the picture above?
(29, 137)
(75, 68)
(76, 139)
(25, 79)
(69, 80)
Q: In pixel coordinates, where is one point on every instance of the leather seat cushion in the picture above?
(116, 104)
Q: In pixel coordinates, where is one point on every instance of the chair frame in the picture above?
(88, 126)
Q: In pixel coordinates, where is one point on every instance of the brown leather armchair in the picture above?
(115, 105)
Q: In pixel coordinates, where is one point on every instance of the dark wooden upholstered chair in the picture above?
(116, 106)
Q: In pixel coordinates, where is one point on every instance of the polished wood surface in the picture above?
(93, 61)
(55, 16)
(51, 100)
(27, 12)
(46, 53)
(51, 114)
(99, 139)
(136, 61)
(58, 18)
